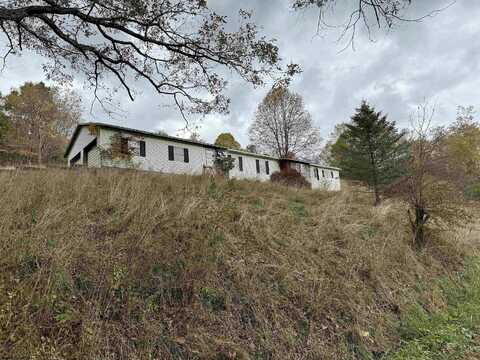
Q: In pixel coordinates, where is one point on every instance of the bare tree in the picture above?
(175, 46)
(283, 127)
(366, 13)
(429, 188)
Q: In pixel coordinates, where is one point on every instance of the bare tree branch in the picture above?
(175, 46)
(283, 127)
(383, 13)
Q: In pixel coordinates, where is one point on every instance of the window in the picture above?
(331, 172)
(135, 147)
(317, 174)
(124, 149)
(240, 163)
(142, 149)
(258, 166)
(267, 168)
(178, 154)
(323, 173)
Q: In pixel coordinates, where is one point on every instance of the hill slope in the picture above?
(129, 265)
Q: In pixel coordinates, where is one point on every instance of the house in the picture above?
(102, 145)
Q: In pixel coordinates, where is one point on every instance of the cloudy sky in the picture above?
(437, 59)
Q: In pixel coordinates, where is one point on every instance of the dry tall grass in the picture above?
(129, 265)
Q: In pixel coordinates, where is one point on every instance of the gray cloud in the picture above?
(437, 58)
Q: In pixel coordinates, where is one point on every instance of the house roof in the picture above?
(179, 140)
(135, 131)
(248, 153)
(312, 164)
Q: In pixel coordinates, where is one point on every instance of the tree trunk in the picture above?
(418, 226)
(375, 177)
(377, 195)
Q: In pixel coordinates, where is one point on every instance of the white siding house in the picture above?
(252, 166)
(152, 152)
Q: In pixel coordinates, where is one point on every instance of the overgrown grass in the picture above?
(130, 265)
(449, 334)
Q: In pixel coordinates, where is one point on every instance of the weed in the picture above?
(29, 264)
(298, 209)
(258, 203)
(448, 334)
(303, 328)
(212, 299)
(218, 239)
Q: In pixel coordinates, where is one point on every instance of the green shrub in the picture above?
(212, 299)
(298, 209)
(472, 192)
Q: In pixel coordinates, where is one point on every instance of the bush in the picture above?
(472, 192)
(290, 177)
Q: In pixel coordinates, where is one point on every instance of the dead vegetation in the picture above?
(130, 265)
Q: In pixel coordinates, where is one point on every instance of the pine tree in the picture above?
(373, 150)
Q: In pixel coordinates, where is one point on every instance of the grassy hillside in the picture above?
(127, 265)
(453, 332)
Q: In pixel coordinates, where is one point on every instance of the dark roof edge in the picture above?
(135, 131)
(247, 153)
(316, 165)
(176, 139)
(72, 140)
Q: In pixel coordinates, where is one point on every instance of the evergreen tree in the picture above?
(333, 149)
(373, 150)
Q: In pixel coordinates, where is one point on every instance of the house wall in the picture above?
(156, 158)
(250, 167)
(94, 158)
(327, 182)
(200, 158)
(83, 139)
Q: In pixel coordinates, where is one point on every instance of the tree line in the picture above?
(433, 169)
(35, 123)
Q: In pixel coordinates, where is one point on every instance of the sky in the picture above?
(437, 59)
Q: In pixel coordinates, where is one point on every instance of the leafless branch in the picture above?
(383, 13)
(175, 46)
